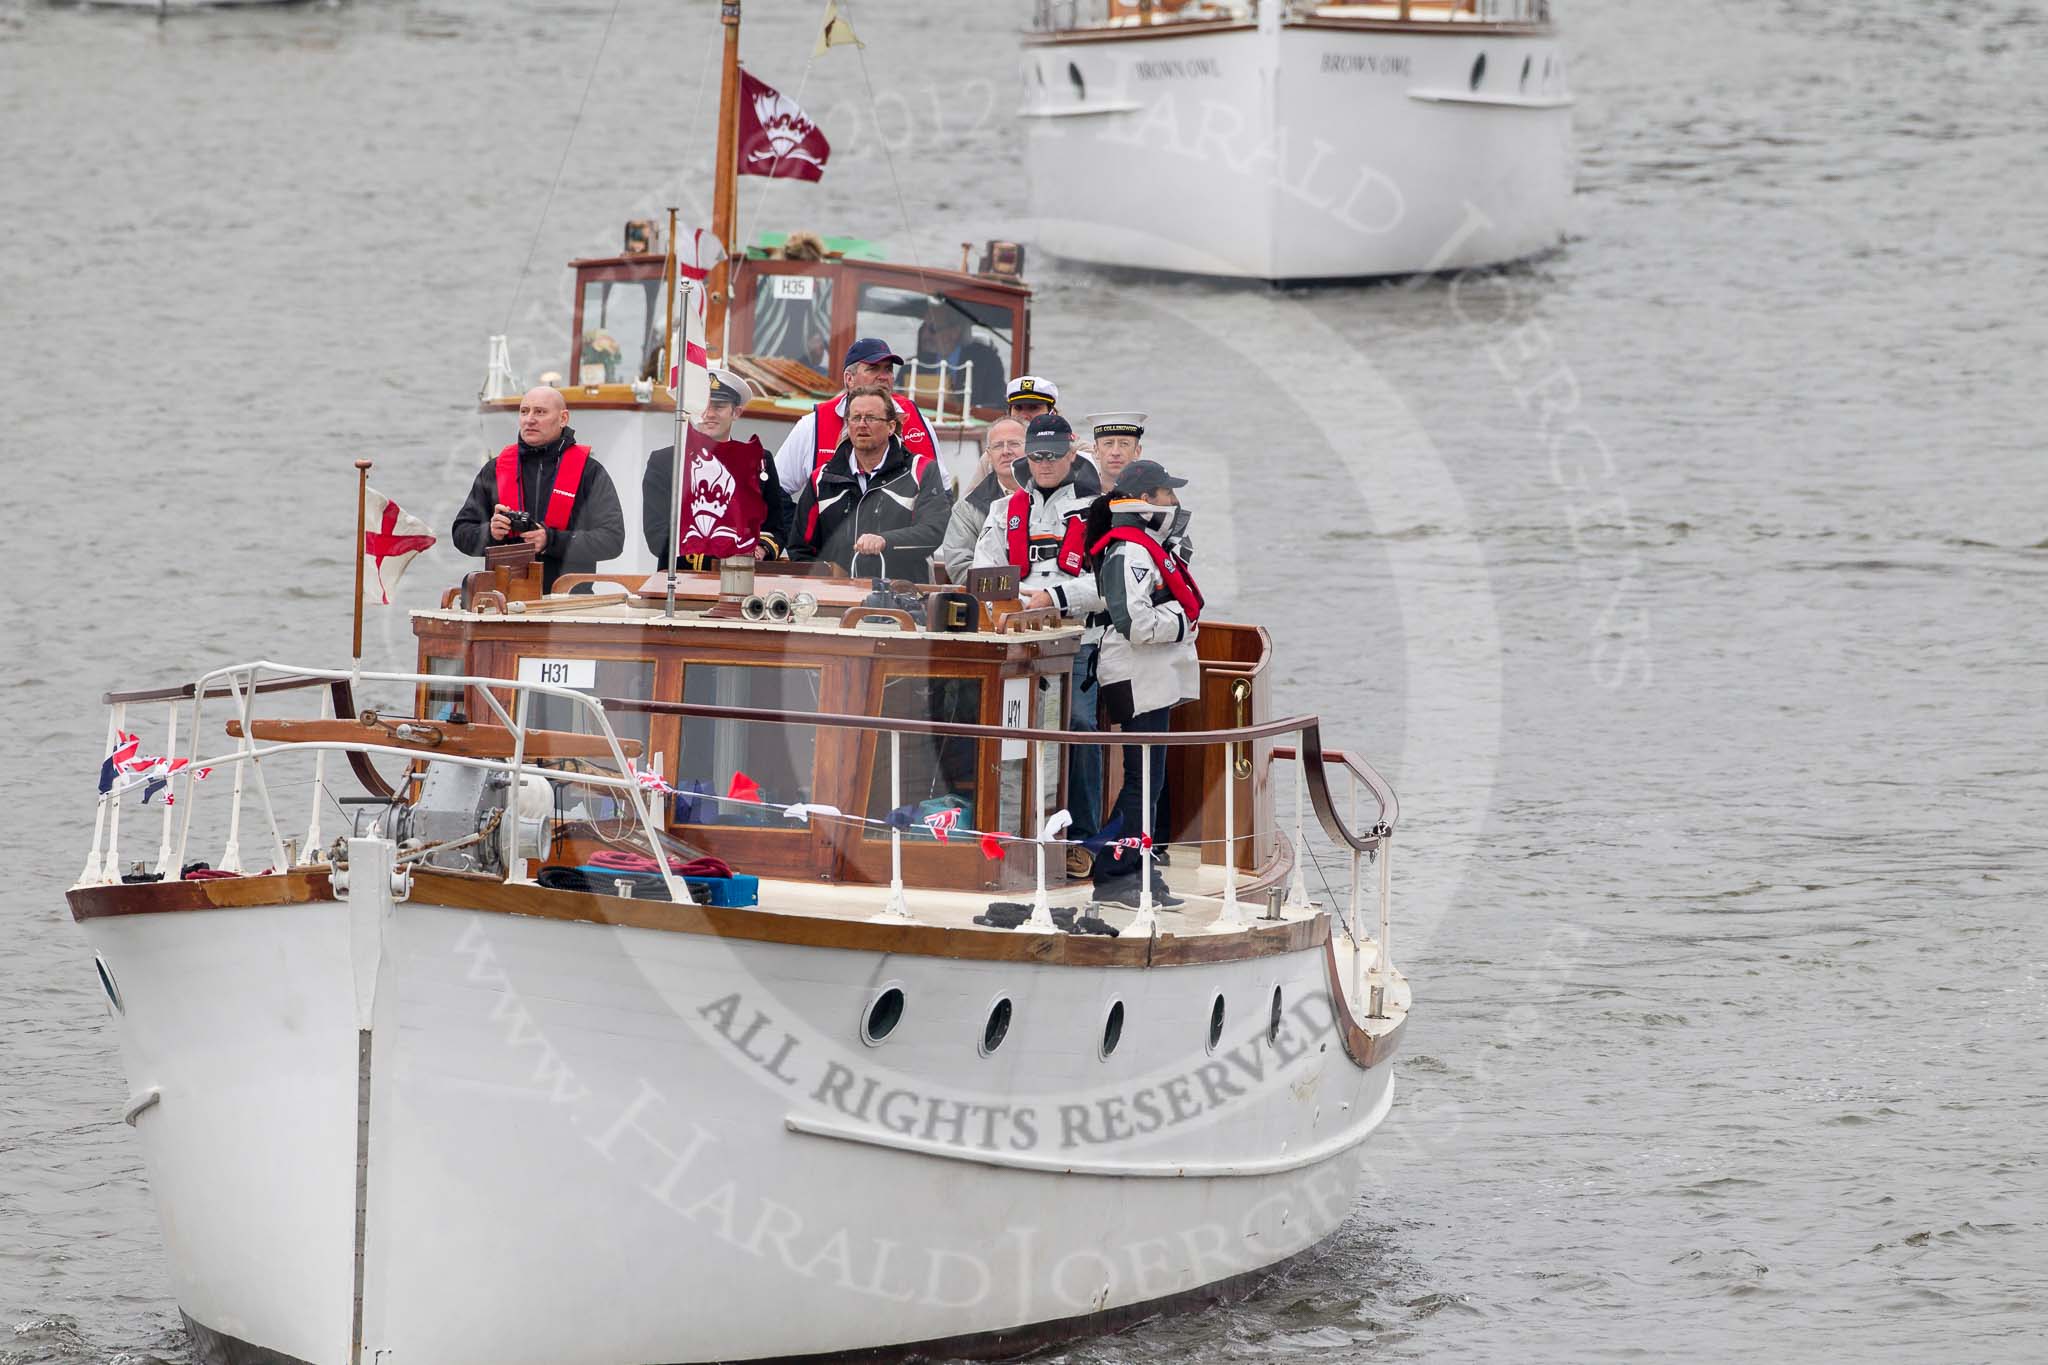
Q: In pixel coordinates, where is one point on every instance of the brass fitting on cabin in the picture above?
(775, 608)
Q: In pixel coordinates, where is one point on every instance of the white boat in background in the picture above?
(1282, 140)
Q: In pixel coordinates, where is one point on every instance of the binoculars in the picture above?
(779, 607)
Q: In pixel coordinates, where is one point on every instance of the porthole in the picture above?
(1478, 70)
(1215, 1023)
(1112, 1028)
(1273, 1021)
(884, 1014)
(107, 984)
(998, 1026)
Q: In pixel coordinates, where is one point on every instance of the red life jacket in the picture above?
(568, 479)
(917, 435)
(721, 498)
(1017, 524)
(1171, 571)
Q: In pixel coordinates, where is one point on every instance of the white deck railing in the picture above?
(242, 684)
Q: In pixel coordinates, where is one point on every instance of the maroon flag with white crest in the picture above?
(776, 138)
(722, 504)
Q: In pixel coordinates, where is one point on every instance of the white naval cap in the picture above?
(1033, 388)
(1116, 423)
(727, 387)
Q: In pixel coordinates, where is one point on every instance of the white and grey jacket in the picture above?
(1074, 594)
(1149, 647)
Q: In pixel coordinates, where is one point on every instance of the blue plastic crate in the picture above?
(738, 889)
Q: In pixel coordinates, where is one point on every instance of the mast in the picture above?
(725, 183)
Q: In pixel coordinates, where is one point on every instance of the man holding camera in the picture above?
(546, 490)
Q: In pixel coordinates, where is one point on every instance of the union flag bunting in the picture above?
(391, 537)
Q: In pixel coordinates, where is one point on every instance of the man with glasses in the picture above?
(871, 510)
(1002, 448)
(1026, 529)
(818, 433)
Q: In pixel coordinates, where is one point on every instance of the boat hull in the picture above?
(1300, 152)
(688, 1130)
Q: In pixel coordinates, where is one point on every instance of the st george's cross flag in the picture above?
(391, 537)
(689, 371)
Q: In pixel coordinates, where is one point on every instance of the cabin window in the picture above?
(622, 331)
(939, 772)
(775, 761)
(632, 678)
(928, 328)
(793, 319)
(439, 700)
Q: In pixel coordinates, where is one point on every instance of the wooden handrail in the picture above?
(1390, 805)
(1308, 727)
(430, 737)
(184, 693)
(962, 729)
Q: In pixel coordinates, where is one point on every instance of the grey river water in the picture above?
(1688, 585)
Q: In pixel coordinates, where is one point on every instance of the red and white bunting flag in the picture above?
(777, 139)
(689, 372)
(391, 537)
(939, 821)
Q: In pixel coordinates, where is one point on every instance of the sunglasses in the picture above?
(1045, 456)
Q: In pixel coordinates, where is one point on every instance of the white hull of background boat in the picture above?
(1297, 152)
(598, 1145)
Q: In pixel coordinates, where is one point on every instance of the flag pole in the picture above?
(675, 477)
(725, 181)
(362, 526)
(668, 279)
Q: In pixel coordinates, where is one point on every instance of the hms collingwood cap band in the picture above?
(1117, 423)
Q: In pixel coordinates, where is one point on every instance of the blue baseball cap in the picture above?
(1050, 433)
(871, 351)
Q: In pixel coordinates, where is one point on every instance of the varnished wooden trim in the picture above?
(1185, 28)
(1368, 1050)
(460, 891)
(301, 886)
(1425, 28)
(456, 891)
(184, 692)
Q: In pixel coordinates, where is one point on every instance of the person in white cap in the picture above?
(1117, 438)
(763, 519)
(1032, 395)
